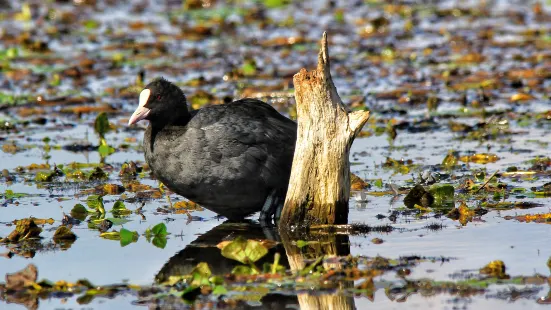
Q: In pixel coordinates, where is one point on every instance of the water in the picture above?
(361, 74)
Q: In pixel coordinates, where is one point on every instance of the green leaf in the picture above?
(159, 241)
(79, 208)
(105, 150)
(216, 280)
(64, 233)
(443, 195)
(249, 68)
(94, 201)
(79, 212)
(449, 161)
(159, 230)
(101, 125)
(120, 209)
(128, 237)
(244, 251)
(379, 183)
(243, 270)
(117, 221)
(111, 235)
(91, 24)
(44, 176)
(275, 3)
(97, 175)
(219, 290)
(200, 275)
(302, 243)
(9, 194)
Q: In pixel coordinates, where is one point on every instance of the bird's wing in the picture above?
(249, 139)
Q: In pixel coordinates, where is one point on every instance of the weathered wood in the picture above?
(319, 187)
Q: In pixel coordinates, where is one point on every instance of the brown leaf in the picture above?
(22, 279)
(356, 183)
(25, 229)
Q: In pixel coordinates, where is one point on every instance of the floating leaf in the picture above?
(219, 290)
(159, 242)
(96, 202)
(275, 3)
(64, 233)
(159, 230)
(111, 235)
(449, 161)
(418, 196)
(37, 221)
(356, 183)
(244, 251)
(249, 67)
(200, 275)
(443, 195)
(120, 209)
(495, 269)
(79, 212)
(24, 229)
(521, 97)
(9, 194)
(158, 233)
(97, 175)
(129, 169)
(112, 189)
(23, 278)
(243, 270)
(481, 158)
(105, 150)
(128, 237)
(377, 241)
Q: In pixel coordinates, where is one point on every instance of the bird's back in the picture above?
(227, 157)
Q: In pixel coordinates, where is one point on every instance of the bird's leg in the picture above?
(279, 209)
(268, 211)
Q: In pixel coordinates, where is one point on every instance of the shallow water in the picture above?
(366, 65)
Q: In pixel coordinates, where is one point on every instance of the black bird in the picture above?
(234, 159)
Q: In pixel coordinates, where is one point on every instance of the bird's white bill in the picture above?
(141, 112)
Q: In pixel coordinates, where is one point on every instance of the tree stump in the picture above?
(319, 187)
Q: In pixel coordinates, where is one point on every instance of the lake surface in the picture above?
(448, 77)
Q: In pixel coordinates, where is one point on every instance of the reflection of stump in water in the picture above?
(203, 249)
(325, 245)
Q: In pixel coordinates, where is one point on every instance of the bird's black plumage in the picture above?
(229, 158)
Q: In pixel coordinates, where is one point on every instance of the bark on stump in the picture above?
(319, 187)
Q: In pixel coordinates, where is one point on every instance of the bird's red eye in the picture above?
(159, 97)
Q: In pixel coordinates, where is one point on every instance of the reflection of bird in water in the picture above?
(204, 249)
(234, 159)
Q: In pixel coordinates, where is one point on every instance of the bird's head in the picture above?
(160, 101)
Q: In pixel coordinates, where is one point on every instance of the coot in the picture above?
(234, 158)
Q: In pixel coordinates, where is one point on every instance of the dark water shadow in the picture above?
(204, 249)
